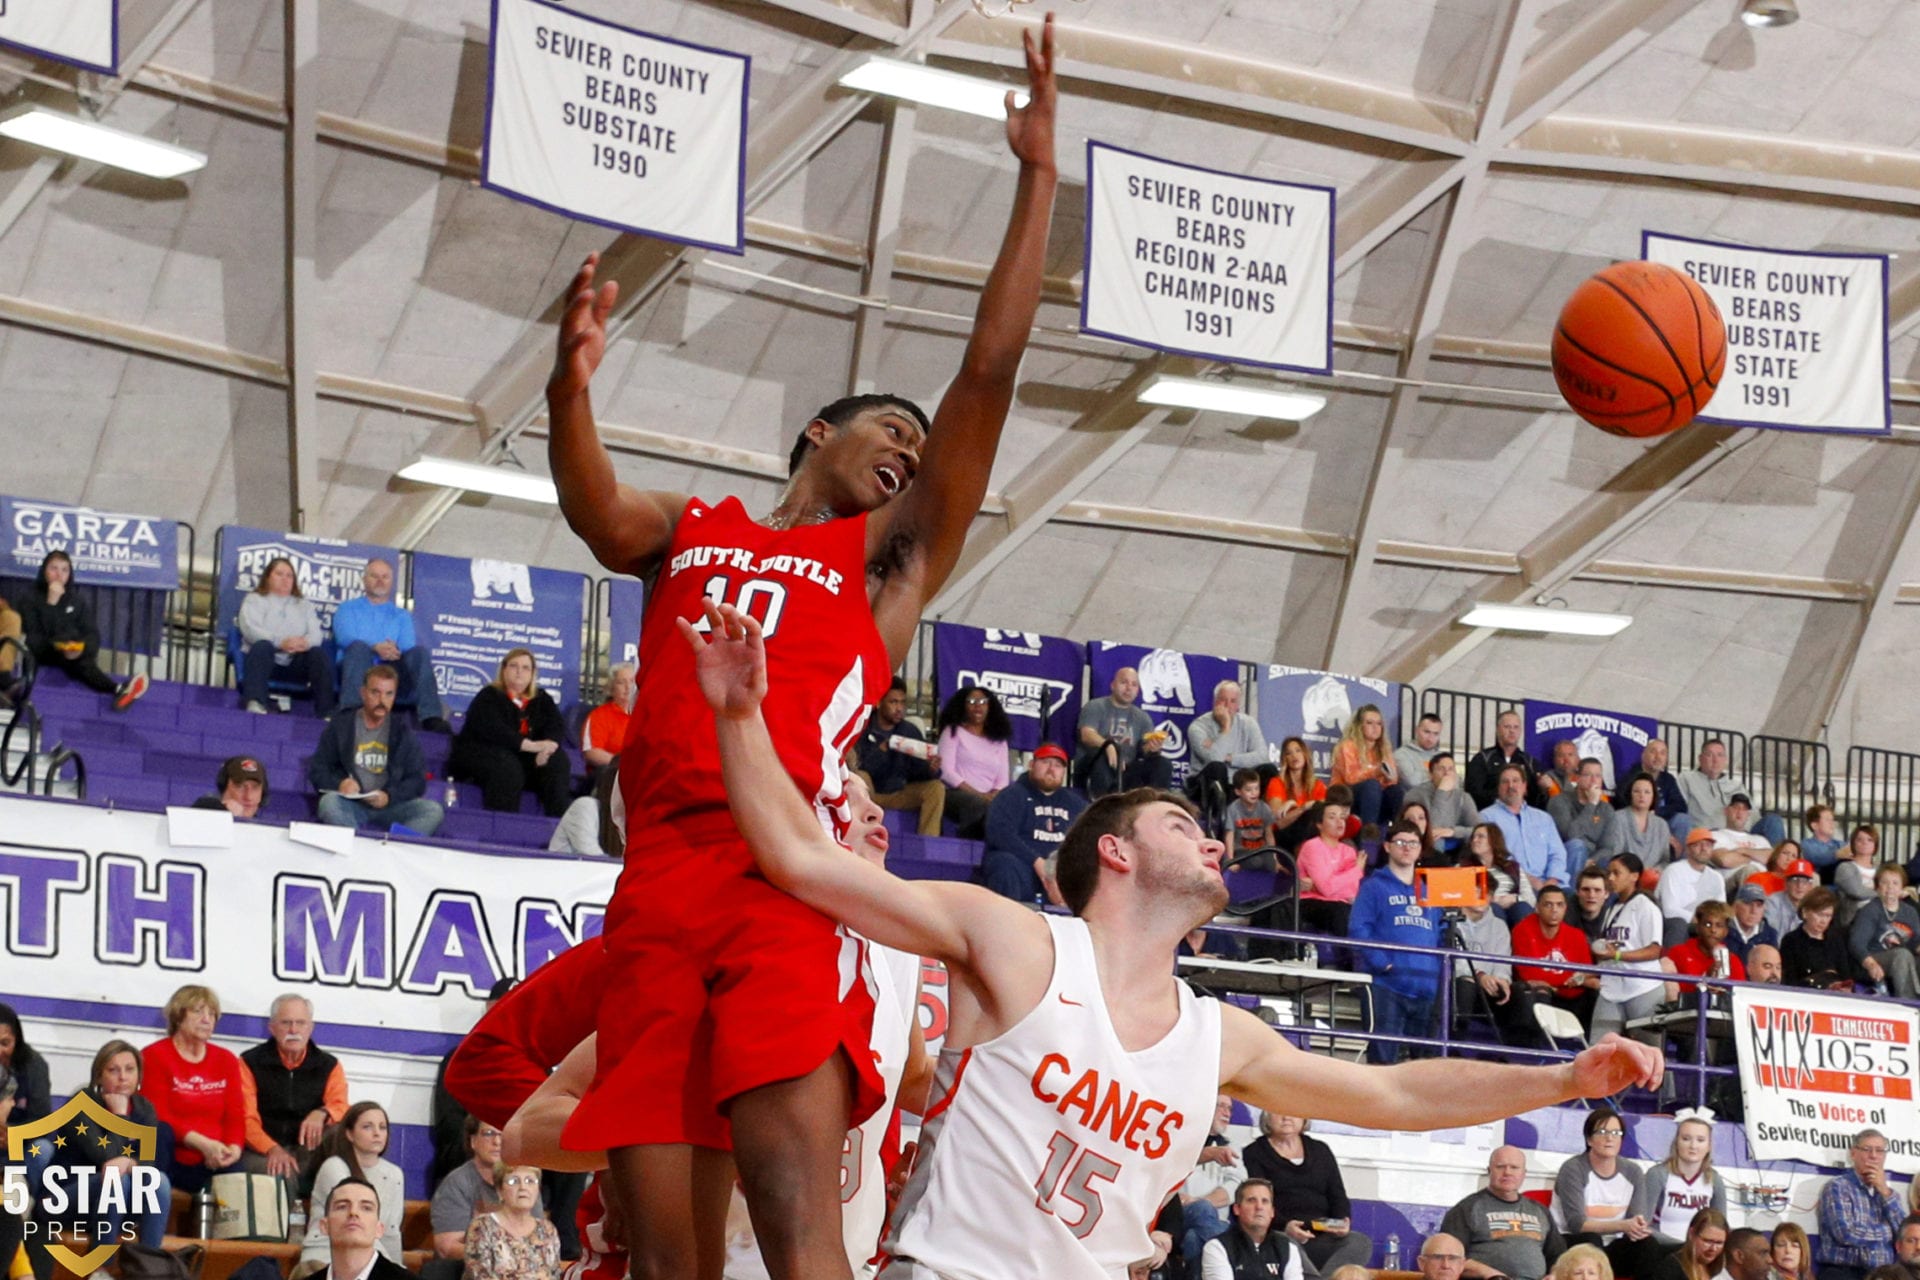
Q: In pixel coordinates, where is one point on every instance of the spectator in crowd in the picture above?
(466, 1192)
(1630, 937)
(1442, 1257)
(1545, 935)
(114, 1082)
(899, 778)
(1674, 1190)
(1750, 928)
(1883, 936)
(510, 741)
(1508, 887)
(1249, 822)
(1309, 1195)
(511, 1242)
(1405, 984)
(1582, 1262)
(1249, 1247)
(240, 788)
(293, 1089)
(1483, 771)
(1853, 877)
(1815, 954)
(11, 647)
(353, 1225)
(604, 736)
(1450, 811)
(1208, 1190)
(1582, 813)
(1594, 1191)
(1292, 794)
(1415, 815)
(1791, 1252)
(1222, 740)
(356, 1148)
(196, 1090)
(33, 1088)
(1699, 956)
(1670, 803)
(1700, 1255)
(1783, 908)
(373, 629)
(1328, 870)
(1764, 964)
(369, 768)
(1591, 898)
(1747, 1255)
(1487, 985)
(1505, 1233)
(1859, 1213)
(974, 764)
(1026, 823)
(1119, 747)
(1708, 790)
(1564, 775)
(1363, 763)
(1906, 1245)
(1737, 851)
(1531, 836)
(593, 824)
(1637, 829)
(1411, 759)
(1773, 877)
(60, 633)
(281, 632)
(1686, 884)
(1823, 843)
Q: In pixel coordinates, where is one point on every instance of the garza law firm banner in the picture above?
(108, 548)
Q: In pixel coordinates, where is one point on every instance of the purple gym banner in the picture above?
(1315, 706)
(1175, 687)
(626, 606)
(1037, 678)
(328, 570)
(472, 612)
(108, 548)
(1614, 738)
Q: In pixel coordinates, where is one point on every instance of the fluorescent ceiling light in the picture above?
(933, 87)
(1769, 13)
(1523, 617)
(449, 474)
(1225, 397)
(57, 131)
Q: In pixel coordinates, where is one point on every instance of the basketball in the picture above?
(1639, 349)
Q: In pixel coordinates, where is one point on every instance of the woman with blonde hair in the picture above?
(1363, 763)
(510, 741)
(1310, 1205)
(1583, 1262)
(1674, 1191)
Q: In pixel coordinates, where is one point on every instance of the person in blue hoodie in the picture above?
(1405, 985)
(1026, 823)
(368, 766)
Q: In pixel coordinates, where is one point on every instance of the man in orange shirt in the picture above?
(293, 1090)
(605, 734)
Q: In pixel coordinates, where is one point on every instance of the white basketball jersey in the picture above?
(1049, 1150)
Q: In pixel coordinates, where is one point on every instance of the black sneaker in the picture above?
(436, 724)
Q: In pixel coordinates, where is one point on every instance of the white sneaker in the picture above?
(257, 708)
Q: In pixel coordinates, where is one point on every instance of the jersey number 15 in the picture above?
(1067, 1183)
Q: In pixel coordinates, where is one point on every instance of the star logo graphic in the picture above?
(59, 1141)
(79, 1128)
(83, 1115)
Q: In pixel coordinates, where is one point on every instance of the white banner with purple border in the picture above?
(1806, 334)
(81, 33)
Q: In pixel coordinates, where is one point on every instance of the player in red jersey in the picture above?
(725, 1022)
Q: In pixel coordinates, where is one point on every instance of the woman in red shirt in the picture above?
(1363, 762)
(195, 1089)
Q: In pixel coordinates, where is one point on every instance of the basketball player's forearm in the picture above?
(1011, 297)
(1446, 1093)
(779, 827)
(582, 468)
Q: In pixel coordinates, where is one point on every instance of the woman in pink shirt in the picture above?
(974, 764)
(1329, 871)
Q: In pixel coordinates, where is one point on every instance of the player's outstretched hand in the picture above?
(730, 660)
(1030, 128)
(583, 330)
(1615, 1063)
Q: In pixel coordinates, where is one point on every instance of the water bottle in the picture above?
(1392, 1262)
(1721, 968)
(203, 1209)
(297, 1223)
(453, 792)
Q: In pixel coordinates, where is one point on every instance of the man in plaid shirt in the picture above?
(1859, 1214)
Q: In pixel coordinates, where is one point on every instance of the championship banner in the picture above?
(626, 606)
(611, 125)
(1175, 687)
(1816, 1069)
(1315, 706)
(108, 548)
(1613, 738)
(410, 936)
(328, 570)
(80, 33)
(472, 612)
(1037, 678)
(1806, 334)
(1207, 263)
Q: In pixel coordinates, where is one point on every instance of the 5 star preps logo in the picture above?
(82, 1194)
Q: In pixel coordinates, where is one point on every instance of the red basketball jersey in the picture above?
(826, 669)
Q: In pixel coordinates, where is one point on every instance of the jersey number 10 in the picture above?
(1068, 1180)
(764, 601)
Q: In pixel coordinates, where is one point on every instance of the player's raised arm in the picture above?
(948, 922)
(933, 515)
(627, 530)
(1259, 1066)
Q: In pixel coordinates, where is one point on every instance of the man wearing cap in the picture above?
(240, 788)
(1783, 908)
(1686, 884)
(1026, 823)
(1749, 928)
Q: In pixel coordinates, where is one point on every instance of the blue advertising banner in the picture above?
(1037, 678)
(626, 605)
(1174, 688)
(473, 611)
(327, 569)
(1613, 738)
(1315, 706)
(108, 548)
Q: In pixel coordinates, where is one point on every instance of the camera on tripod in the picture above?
(1451, 889)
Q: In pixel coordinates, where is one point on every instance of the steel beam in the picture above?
(300, 201)
(883, 240)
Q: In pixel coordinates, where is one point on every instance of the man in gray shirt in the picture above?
(1412, 759)
(1115, 737)
(1451, 814)
(1505, 1233)
(1582, 813)
(1708, 789)
(1222, 740)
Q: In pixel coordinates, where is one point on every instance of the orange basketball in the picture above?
(1639, 349)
